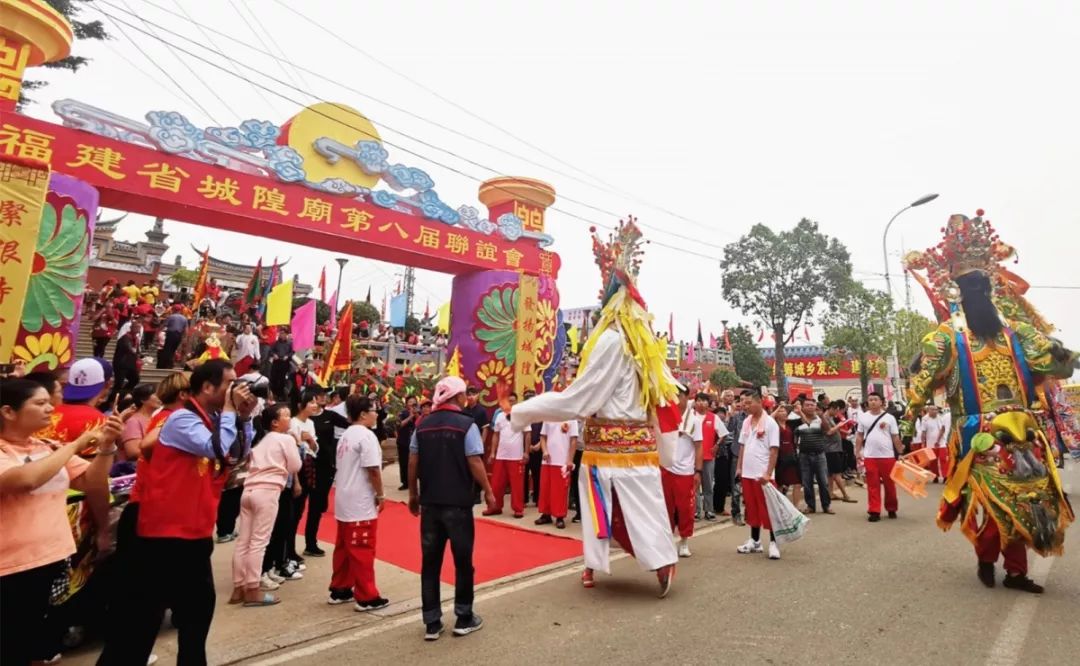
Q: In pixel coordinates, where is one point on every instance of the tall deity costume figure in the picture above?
(1002, 483)
(622, 390)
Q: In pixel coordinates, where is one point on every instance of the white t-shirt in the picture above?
(879, 443)
(511, 444)
(690, 434)
(357, 451)
(933, 432)
(558, 442)
(297, 427)
(756, 444)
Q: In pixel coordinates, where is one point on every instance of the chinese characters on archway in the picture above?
(825, 368)
(109, 164)
(22, 195)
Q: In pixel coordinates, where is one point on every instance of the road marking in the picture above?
(1017, 624)
(410, 619)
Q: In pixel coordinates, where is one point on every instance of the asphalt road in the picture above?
(850, 592)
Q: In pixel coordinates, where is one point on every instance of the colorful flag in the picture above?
(200, 283)
(727, 340)
(279, 304)
(443, 318)
(398, 305)
(322, 285)
(573, 336)
(712, 341)
(254, 287)
(671, 327)
(271, 281)
(303, 326)
(368, 299)
(333, 304)
(700, 340)
(339, 357)
(453, 366)
(427, 309)
(690, 355)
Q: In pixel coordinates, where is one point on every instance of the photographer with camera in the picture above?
(197, 447)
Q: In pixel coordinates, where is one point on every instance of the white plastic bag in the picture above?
(788, 523)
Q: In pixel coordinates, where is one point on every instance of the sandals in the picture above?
(267, 600)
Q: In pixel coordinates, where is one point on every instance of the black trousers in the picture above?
(277, 550)
(298, 505)
(721, 482)
(403, 461)
(189, 591)
(575, 496)
(125, 380)
(228, 510)
(532, 476)
(279, 379)
(439, 524)
(24, 601)
(167, 353)
(318, 501)
(99, 347)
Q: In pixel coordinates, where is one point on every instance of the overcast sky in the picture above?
(723, 113)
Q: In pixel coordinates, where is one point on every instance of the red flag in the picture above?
(760, 335)
(727, 341)
(340, 355)
(690, 356)
(671, 327)
(427, 309)
(200, 283)
(322, 285)
(712, 341)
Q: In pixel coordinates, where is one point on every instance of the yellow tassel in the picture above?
(600, 459)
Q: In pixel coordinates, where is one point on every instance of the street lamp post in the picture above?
(341, 261)
(895, 381)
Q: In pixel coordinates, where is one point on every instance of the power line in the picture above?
(129, 61)
(611, 188)
(479, 141)
(210, 39)
(407, 150)
(258, 36)
(158, 65)
(193, 73)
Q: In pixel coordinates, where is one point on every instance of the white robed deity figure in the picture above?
(623, 389)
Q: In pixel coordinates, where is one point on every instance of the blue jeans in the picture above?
(811, 466)
(439, 524)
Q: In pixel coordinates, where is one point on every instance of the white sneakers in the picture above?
(774, 551)
(268, 583)
(750, 546)
(684, 548)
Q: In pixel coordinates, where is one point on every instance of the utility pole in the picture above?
(410, 284)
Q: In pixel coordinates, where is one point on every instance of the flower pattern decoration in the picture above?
(51, 350)
(58, 276)
(545, 334)
(498, 323)
(491, 373)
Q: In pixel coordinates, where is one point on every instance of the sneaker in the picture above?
(774, 551)
(697, 515)
(289, 573)
(151, 660)
(892, 514)
(402, 487)
(466, 625)
(226, 538)
(576, 518)
(544, 519)
(560, 524)
(519, 515)
(874, 517)
(1023, 583)
(433, 630)
(342, 596)
(55, 659)
(750, 546)
(587, 579)
(710, 516)
(986, 573)
(738, 521)
(315, 552)
(298, 565)
(268, 583)
(684, 549)
(665, 576)
(374, 604)
(272, 575)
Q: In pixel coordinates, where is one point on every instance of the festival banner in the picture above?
(279, 304)
(200, 283)
(151, 182)
(253, 292)
(339, 356)
(821, 367)
(398, 306)
(443, 318)
(23, 186)
(526, 376)
(303, 327)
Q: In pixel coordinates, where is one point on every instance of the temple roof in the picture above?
(229, 266)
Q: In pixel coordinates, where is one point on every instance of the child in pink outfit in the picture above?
(273, 459)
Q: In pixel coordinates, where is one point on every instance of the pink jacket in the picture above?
(272, 461)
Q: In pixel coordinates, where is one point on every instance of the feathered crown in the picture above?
(969, 244)
(619, 259)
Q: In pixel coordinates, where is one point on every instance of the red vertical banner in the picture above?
(200, 283)
(23, 186)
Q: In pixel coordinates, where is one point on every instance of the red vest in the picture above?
(708, 435)
(179, 494)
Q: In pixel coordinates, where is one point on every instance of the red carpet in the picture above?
(500, 549)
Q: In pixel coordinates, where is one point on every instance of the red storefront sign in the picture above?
(147, 181)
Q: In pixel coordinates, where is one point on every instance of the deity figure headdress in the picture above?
(619, 259)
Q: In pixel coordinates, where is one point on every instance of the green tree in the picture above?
(723, 378)
(412, 324)
(322, 310)
(749, 364)
(778, 278)
(858, 324)
(184, 277)
(82, 29)
(364, 311)
(910, 328)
